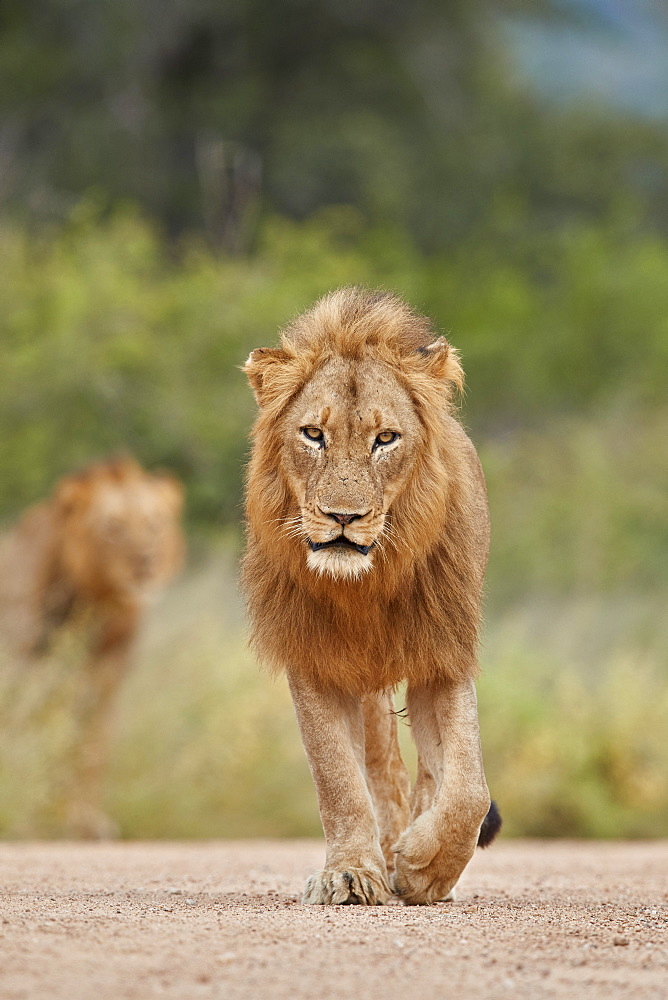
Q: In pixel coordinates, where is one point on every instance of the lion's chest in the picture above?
(362, 644)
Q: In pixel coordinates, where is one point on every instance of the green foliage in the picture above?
(572, 703)
(578, 506)
(204, 113)
(110, 342)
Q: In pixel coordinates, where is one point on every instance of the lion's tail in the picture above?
(491, 825)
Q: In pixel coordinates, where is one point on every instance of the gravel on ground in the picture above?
(131, 921)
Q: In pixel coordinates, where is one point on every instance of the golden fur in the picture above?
(106, 540)
(421, 602)
(367, 543)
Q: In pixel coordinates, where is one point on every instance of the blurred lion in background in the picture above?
(92, 555)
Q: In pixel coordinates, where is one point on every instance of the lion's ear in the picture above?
(441, 361)
(263, 369)
(71, 492)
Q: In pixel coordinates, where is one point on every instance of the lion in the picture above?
(367, 540)
(93, 554)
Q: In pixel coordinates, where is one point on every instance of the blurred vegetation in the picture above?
(113, 339)
(207, 113)
(176, 182)
(573, 700)
(112, 342)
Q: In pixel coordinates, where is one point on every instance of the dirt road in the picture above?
(222, 920)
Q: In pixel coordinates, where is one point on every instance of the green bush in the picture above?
(111, 341)
(572, 702)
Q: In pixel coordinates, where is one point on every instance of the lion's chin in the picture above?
(339, 563)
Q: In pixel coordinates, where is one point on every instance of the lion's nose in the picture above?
(342, 518)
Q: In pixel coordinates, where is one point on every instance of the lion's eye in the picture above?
(385, 437)
(313, 433)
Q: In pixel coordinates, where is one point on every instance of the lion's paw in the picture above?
(426, 868)
(350, 886)
(417, 886)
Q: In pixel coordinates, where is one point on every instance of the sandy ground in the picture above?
(223, 920)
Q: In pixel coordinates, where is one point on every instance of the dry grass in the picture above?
(573, 707)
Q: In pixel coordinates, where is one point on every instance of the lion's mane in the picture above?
(415, 616)
(59, 558)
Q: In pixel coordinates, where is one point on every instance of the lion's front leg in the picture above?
(100, 685)
(435, 849)
(332, 730)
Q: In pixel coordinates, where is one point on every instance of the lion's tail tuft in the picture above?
(491, 825)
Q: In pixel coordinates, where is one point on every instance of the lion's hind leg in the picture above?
(424, 789)
(386, 772)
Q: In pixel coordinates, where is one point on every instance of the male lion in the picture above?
(367, 543)
(93, 553)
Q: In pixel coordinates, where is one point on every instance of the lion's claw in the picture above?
(350, 886)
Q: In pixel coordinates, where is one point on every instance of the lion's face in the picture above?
(351, 437)
(121, 530)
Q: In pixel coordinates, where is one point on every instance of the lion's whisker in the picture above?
(295, 532)
(396, 539)
(387, 536)
(381, 549)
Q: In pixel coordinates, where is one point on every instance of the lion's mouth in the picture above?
(341, 542)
